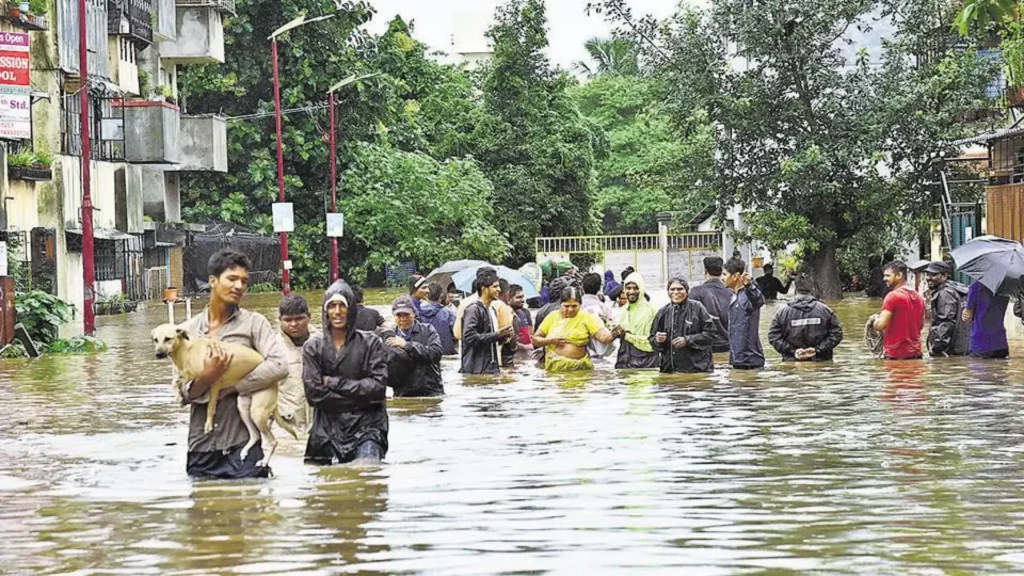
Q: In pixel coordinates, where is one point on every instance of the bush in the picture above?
(42, 314)
(14, 350)
(77, 345)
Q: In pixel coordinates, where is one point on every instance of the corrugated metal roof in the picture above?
(989, 136)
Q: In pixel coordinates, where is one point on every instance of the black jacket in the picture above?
(949, 335)
(805, 323)
(744, 322)
(771, 286)
(479, 341)
(632, 358)
(347, 388)
(716, 297)
(415, 370)
(691, 320)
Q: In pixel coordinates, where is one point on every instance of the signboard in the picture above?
(15, 89)
(335, 225)
(284, 218)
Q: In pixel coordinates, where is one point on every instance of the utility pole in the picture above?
(88, 254)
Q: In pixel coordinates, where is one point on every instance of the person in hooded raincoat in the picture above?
(609, 282)
(440, 317)
(683, 332)
(634, 329)
(345, 377)
(481, 338)
(805, 329)
(414, 354)
(949, 335)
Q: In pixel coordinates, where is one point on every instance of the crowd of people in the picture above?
(333, 382)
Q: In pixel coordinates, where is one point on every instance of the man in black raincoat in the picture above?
(480, 335)
(805, 329)
(345, 374)
(414, 354)
(949, 335)
(683, 332)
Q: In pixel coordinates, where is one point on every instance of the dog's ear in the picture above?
(182, 333)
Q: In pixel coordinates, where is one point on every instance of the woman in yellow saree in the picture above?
(565, 335)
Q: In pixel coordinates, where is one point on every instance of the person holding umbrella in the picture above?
(986, 312)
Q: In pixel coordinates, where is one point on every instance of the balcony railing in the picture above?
(131, 18)
(222, 5)
(106, 128)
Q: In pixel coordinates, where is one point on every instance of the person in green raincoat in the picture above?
(633, 331)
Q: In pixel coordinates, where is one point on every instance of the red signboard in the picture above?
(14, 68)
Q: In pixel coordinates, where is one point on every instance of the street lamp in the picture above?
(334, 163)
(300, 21)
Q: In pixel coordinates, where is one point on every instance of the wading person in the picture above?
(367, 319)
(293, 312)
(902, 315)
(506, 319)
(949, 334)
(437, 315)
(345, 376)
(593, 304)
(683, 332)
(418, 291)
(805, 329)
(745, 350)
(566, 333)
(771, 286)
(716, 297)
(481, 338)
(634, 329)
(524, 323)
(555, 288)
(986, 313)
(414, 354)
(217, 454)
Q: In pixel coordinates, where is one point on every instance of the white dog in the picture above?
(188, 356)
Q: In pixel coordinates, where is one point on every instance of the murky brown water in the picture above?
(858, 467)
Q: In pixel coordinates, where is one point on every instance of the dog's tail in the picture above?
(284, 424)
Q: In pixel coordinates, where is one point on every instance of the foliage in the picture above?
(413, 207)
(38, 7)
(145, 84)
(114, 304)
(611, 56)
(1012, 49)
(42, 160)
(262, 288)
(77, 345)
(654, 164)
(22, 159)
(14, 350)
(42, 314)
(16, 267)
(982, 14)
(535, 146)
(820, 149)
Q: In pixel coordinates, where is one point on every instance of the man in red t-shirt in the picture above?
(902, 316)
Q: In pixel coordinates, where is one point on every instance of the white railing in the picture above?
(702, 241)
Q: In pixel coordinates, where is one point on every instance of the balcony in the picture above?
(106, 128)
(225, 6)
(200, 36)
(158, 190)
(132, 19)
(204, 144)
(151, 131)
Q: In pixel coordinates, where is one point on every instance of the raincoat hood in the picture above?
(555, 288)
(803, 302)
(609, 276)
(637, 317)
(340, 287)
(430, 309)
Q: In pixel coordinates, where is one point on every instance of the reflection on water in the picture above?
(860, 466)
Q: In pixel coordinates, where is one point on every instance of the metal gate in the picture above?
(964, 225)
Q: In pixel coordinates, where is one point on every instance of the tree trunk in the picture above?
(824, 268)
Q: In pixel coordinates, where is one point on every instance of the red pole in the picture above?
(88, 262)
(285, 276)
(334, 188)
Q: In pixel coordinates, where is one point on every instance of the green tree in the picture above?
(613, 56)
(980, 15)
(535, 146)
(819, 149)
(654, 164)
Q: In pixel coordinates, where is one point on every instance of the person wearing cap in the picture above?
(418, 291)
(345, 377)
(805, 329)
(948, 335)
(414, 354)
(480, 337)
(986, 312)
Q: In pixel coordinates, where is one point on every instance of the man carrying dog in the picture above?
(217, 454)
(293, 312)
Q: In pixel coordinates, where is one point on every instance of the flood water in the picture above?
(857, 467)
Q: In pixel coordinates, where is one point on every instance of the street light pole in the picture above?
(301, 20)
(285, 275)
(88, 254)
(334, 187)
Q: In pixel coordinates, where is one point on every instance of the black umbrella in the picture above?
(997, 263)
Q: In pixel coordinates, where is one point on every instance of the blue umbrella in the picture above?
(453, 266)
(464, 279)
(997, 263)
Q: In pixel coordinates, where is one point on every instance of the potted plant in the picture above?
(41, 167)
(37, 13)
(18, 163)
(168, 94)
